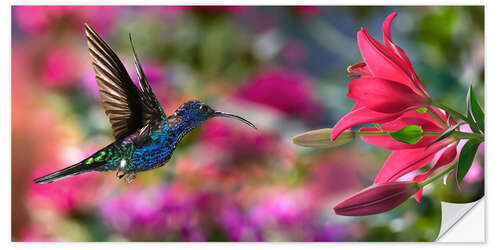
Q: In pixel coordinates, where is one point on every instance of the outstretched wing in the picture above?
(126, 106)
(154, 109)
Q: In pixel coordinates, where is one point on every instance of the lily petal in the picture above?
(412, 117)
(395, 49)
(401, 54)
(382, 61)
(383, 96)
(401, 162)
(442, 115)
(360, 115)
(449, 155)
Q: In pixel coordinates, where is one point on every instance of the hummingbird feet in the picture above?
(129, 177)
(120, 174)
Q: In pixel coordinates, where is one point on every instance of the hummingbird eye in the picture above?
(204, 108)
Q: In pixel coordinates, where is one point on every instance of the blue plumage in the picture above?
(145, 137)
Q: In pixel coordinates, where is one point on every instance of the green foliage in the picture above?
(474, 111)
(466, 158)
(445, 134)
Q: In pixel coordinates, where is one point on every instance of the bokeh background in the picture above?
(281, 67)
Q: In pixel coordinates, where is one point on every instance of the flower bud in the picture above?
(377, 198)
(321, 138)
(410, 134)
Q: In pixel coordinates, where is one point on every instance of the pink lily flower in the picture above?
(407, 158)
(387, 86)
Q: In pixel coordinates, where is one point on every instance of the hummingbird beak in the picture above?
(223, 114)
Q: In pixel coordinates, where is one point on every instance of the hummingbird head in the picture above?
(197, 112)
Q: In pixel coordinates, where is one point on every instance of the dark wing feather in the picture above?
(123, 102)
(154, 109)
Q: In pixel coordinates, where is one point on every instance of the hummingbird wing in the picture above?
(150, 102)
(127, 107)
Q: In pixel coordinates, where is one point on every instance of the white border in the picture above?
(492, 87)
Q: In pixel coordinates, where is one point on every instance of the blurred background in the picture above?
(283, 68)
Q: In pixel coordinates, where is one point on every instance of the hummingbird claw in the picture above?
(130, 177)
(120, 174)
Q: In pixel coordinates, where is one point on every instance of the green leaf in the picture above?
(410, 134)
(445, 134)
(475, 110)
(473, 126)
(465, 159)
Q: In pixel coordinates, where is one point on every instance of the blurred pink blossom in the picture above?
(136, 213)
(155, 213)
(334, 176)
(290, 92)
(34, 234)
(38, 19)
(65, 195)
(61, 68)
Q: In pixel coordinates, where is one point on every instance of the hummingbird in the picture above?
(145, 138)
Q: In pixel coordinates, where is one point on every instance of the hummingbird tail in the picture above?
(76, 169)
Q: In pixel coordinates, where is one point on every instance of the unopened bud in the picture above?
(377, 198)
(410, 134)
(320, 138)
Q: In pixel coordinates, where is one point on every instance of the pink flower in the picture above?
(387, 86)
(136, 213)
(407, 158)
(65, 195)
(60, 68)
(35, 234)
(447, 156)
(287, 91)
(377, 198)
(39, 19)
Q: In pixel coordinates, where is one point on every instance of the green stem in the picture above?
(429, 112)
(433, 178)
(457, 134)
(450, 110)
(464, 135)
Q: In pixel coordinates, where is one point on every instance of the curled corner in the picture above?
(453, 214)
